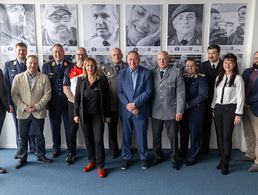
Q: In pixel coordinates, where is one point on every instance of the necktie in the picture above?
(183, 42)
(161, 74)
(222, 94)
(59, 66)
(117, 68)
(213, 66)
(106, 43)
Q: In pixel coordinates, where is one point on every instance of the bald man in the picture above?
(111, 70)
(167, 107)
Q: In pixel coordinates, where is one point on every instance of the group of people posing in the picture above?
(182, 101)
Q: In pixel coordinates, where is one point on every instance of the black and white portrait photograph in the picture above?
(185, 27)
(59, 25)
(17, 24)
(102, 59)
(178, 61)
(227, 26)
(101, 28)
(143, 28)
(148, 61)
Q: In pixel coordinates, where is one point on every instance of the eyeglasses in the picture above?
(56, 18)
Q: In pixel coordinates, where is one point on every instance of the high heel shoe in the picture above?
(101, 172)
(89, 166)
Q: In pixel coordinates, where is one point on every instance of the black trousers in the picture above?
(206, 129)
(72, 133)
(55, 122)
(24, 126)
(112, 133)
(2, 117)
(224, 119)
(172, 131)
(93, 129)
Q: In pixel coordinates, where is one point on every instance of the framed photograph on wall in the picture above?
(185, 28)
(101, 28)
(59, 25)
(227, 26)
(17, 24)
(143, 28)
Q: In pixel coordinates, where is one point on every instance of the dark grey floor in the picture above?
(57, 178)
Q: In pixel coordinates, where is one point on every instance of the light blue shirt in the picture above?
(134, 77)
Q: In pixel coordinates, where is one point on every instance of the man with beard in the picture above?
(237, 37)
(106, 19)
(143, 28)
(57, 26)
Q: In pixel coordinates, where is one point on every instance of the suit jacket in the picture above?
(3, 94)
(11, 69)
(80, 107)
(252, 98)
(140, 96)
(38, 95)
(112, 74)
(205, 68)
(169, 94)
(58, 100)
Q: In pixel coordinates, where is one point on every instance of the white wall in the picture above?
(7, 139)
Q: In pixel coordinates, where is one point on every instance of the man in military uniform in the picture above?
(57, 26)
(196, 87)
(237, 37)
(11, 69)
(184, 20)
(70, 80)
(111, 70)
(167, 107)
(58, 105)
(211, 69)
(217, 35)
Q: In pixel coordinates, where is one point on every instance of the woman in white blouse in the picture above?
(228, 102)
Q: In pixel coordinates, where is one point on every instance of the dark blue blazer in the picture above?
(252, 99)
(11, 69)
(58, 100)
(140, 96)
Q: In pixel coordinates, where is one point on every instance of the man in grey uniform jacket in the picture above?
(167, 107)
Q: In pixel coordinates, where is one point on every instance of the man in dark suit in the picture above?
(58, 105)
(167, 107)
(11, 69)
(111, 71)
(3, 106)
(211, 69)
(134, 92)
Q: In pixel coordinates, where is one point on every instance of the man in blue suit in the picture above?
(134, 91)
(58, 105)
(11, 69)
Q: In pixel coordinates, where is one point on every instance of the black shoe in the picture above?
(15, 156)
(145, 164)
(56, 153)
(20, 163)
(125, 164)
(70, 159)
(190, 162)
(176, 164)
(219, 166)
(44, 159)
(2, 171)
(224, 170)
(156, 161)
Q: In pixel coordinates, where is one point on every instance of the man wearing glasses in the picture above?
(57, 26)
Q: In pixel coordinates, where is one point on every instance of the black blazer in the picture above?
(79, 107)
(3, 94)
(205, 68)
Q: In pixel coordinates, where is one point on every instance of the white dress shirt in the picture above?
(232, 95)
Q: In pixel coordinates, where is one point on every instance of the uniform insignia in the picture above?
(65, 63)
(196, 76)
(108, 73)
(53, 64)
(202, 75)
(14, 62)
